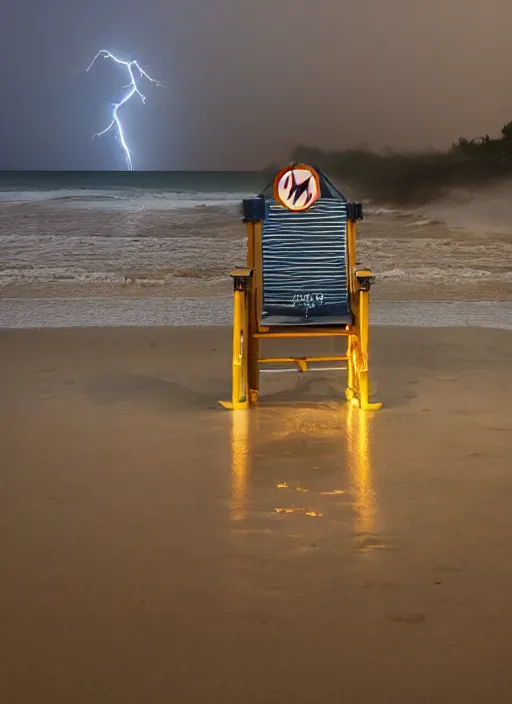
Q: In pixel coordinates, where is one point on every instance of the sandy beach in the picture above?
(157, 548)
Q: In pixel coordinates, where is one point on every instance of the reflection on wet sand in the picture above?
(347, 426)
(240, 463)
(359, 466)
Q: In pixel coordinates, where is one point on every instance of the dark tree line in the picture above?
(414, 177)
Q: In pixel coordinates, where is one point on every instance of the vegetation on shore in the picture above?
(415, 177)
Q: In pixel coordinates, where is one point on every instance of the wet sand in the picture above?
(159, 549)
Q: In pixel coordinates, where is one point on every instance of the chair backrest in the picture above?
(305, 264)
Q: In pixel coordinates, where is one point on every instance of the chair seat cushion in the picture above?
(335, 319)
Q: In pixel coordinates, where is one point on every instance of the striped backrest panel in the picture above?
(305, 259)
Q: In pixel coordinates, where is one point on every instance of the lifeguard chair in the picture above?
(301, 281)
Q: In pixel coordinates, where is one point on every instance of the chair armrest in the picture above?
(365, 279)
(241, 278)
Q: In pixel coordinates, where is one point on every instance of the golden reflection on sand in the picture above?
(360, 470)
(346, 425)
(240, 463)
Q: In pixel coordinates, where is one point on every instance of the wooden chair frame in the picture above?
(248, 329)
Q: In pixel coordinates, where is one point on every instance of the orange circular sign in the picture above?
(297, 187)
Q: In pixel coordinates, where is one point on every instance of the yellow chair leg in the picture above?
(350, 391)
(253, 353)
(364, 402)
(254, 372)
(240, 376)
(362, 355)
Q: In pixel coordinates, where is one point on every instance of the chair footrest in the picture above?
(302, 363)
(298, 360)
(297, 370)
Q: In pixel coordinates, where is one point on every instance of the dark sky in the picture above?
(249, 79)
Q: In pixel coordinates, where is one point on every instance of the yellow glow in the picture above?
(240, 464)
(348, 423)
(340, 423)
(310, 421)
(306, 512)
(360, 470)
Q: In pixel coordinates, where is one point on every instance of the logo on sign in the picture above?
(297, 187)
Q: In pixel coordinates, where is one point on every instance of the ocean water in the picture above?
(89, 232)
(129, 191)
(176, 236)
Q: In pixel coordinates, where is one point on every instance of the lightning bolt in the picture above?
(135, 73)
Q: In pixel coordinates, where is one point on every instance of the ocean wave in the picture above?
(483, 211)
(65, 245)
(123, 200)
(32, 274)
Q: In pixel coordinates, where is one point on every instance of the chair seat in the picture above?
(311, 320)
